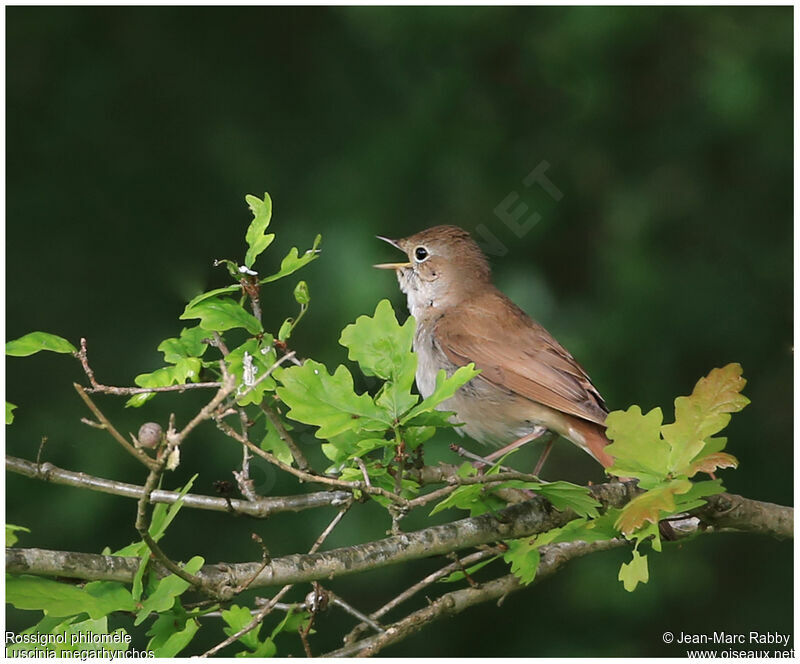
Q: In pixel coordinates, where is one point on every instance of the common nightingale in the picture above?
(529, 383)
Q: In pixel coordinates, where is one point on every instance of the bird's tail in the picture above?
(594, 441)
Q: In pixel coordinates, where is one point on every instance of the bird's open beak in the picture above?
(390, 266)
(389, 240)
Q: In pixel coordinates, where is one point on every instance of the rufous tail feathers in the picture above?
(594, 441)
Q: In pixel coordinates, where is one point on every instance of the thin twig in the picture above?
(460, 564)
(284, 435)
(138, 454)
(255, 622)
(143, 527)
(420, 585)
(243, 476)
(324, 534)
(218, 343)
(307, 476)
(281, 606)
(83, 356)
(462, 452)
(207, 411)
(456, 482)
(39, 451)
(303, 632)
(251, 287)
(84, 359)
(354, 612)
(270, 605)
(363, 468)
(127, 391)
(265, 560)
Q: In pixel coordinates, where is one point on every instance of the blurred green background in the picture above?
(133, 135)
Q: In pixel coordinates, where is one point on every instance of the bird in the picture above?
(528, 384)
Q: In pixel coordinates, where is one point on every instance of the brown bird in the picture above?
(529, 384)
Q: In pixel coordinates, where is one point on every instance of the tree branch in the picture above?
(521, 520)
(260, 509)
(728, 510)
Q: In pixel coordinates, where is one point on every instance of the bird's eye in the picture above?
(420, 253)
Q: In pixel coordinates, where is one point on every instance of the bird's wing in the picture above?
(515, 352)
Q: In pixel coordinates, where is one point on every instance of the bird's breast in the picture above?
(430, 359)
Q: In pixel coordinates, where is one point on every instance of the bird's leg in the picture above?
(478, 461)
(537, 432)
(548, 446)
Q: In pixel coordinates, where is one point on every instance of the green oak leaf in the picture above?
(701, 415)
(712, 446)
(190, 343)
(693, 498)
(523, 555)
(11, 533)
(178, 640)
(585, 530)
(293, 620)
(464, 497)
(73, 636)
(293, 262)
(163, 514)
(285, 330)
(171, 632)
(414, 436)
(220, 314)
(166, 592)
(257, 240)
(367, 445)
(382, 348)
(185, 370)
(274, 444)
(637, 447)
(328, 401)
(635, 572)
(565, 495)
(236, 618)
(344, 446)
(56, 599)
(650, 506)
(301, 293)
(445, 388)
(10, 408)
(33, 342)
(477, 498)
(212, 293)
(265, 648)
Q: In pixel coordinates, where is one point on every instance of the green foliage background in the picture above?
(134, 133)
